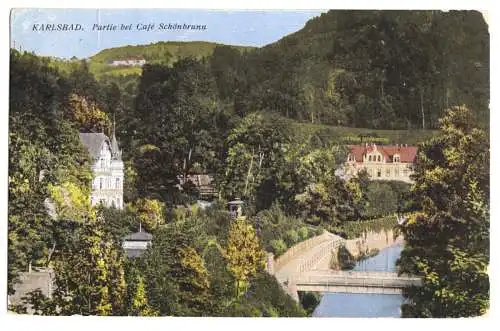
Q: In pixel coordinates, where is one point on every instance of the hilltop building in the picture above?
(107, 167)
(130, 61)
(382, 162)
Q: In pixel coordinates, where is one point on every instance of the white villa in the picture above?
(382, 162)
(129, 61)
(107, 185)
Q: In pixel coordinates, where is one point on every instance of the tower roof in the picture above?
(93, 142)
(139, 236)
(115, 149)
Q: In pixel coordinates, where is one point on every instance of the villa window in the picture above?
(118, 183)
(370, 158)
(388, 172)
(396, 158)
(100, 183)
(379, 159)
(379, 173)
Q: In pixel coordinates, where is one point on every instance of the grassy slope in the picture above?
(351, 135)
(166, 53)
(162, 52)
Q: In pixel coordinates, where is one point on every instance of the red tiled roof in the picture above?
(407, 153)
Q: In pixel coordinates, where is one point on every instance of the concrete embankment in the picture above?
(372, 241)
(368, 244)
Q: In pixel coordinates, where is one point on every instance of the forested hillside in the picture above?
(384, 70)
(376, 69)
(379, 69)
(195, 267)
(270, 125)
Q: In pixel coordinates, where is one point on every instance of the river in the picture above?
(365, 305)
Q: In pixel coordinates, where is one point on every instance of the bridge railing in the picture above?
(326, 250)
(300, 248)
(369, 280)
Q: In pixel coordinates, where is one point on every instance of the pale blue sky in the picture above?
(249, 28)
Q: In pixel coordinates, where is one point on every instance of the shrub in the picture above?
(279, 247)
(319, 230)
(291, 237)
(303, 233)
(180, 214)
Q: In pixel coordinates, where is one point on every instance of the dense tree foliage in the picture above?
(255, 121)
(243, 253)
(44, 153)
(448, 243)
(381, 69)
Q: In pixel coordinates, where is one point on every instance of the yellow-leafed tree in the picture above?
(244, 255)
(149, 212)
(88, 115)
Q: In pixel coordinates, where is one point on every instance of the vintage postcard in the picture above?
(245, 163)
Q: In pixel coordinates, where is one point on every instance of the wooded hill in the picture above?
(162, 52)
(374, 69)
(165, 53)
(380, 69)
(271, 125)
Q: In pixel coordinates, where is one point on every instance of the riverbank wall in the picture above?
(368, 244)
(369, 241)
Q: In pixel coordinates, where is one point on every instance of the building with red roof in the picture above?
(382, 162)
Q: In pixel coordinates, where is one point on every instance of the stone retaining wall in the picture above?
(299, 249)
(372, 240)
(323, 254)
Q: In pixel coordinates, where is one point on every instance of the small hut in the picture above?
(136, 244)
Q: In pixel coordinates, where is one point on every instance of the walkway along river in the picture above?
(365, 305)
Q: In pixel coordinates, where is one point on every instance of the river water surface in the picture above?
(365, 305)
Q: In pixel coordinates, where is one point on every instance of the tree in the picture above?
(255, 157)
(243, 253)
(448, 242)
(325, 196)
(149, 212)
(381, 199)
(87, 116)
(140, 305)
(28, 219)
(194, 283)
(44, 153)
(175, 275)
(89, 276)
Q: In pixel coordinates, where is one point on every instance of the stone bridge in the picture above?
(306, 267)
